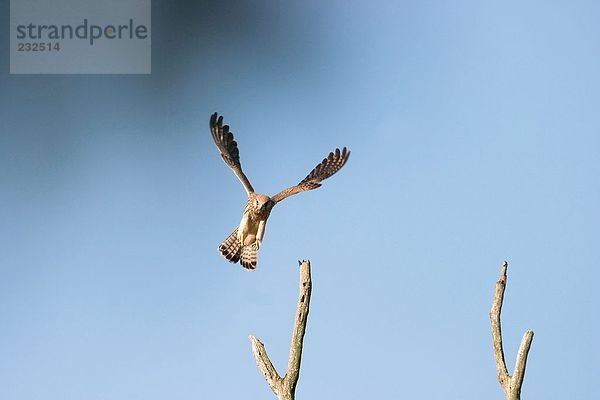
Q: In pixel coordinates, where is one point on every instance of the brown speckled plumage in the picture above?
(243, 243)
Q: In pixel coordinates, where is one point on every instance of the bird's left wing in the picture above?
(228, 148)
(326, 168)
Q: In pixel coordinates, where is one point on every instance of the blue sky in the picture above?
(475, 138)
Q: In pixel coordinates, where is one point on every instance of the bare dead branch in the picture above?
(265, 365)
(510, 384)
(285, 388)
(501, 369)
(520, 364)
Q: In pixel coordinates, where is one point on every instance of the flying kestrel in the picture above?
(243, 243)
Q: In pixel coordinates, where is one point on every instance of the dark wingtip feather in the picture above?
(345, 154)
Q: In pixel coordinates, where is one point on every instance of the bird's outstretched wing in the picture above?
(329, 166)
(228, 148)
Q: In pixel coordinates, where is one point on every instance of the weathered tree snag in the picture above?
(510, 384)
(285, 388)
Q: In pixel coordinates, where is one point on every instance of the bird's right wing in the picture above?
(329, 166)
(228, 148)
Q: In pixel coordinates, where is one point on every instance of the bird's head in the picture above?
(263, 202)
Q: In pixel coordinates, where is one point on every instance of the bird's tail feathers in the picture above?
(249, 255)
(231, 247)
(233, 251)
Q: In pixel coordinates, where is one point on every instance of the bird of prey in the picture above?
(243, 243)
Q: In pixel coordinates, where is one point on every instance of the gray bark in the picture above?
(285, 388)
(510, 384)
